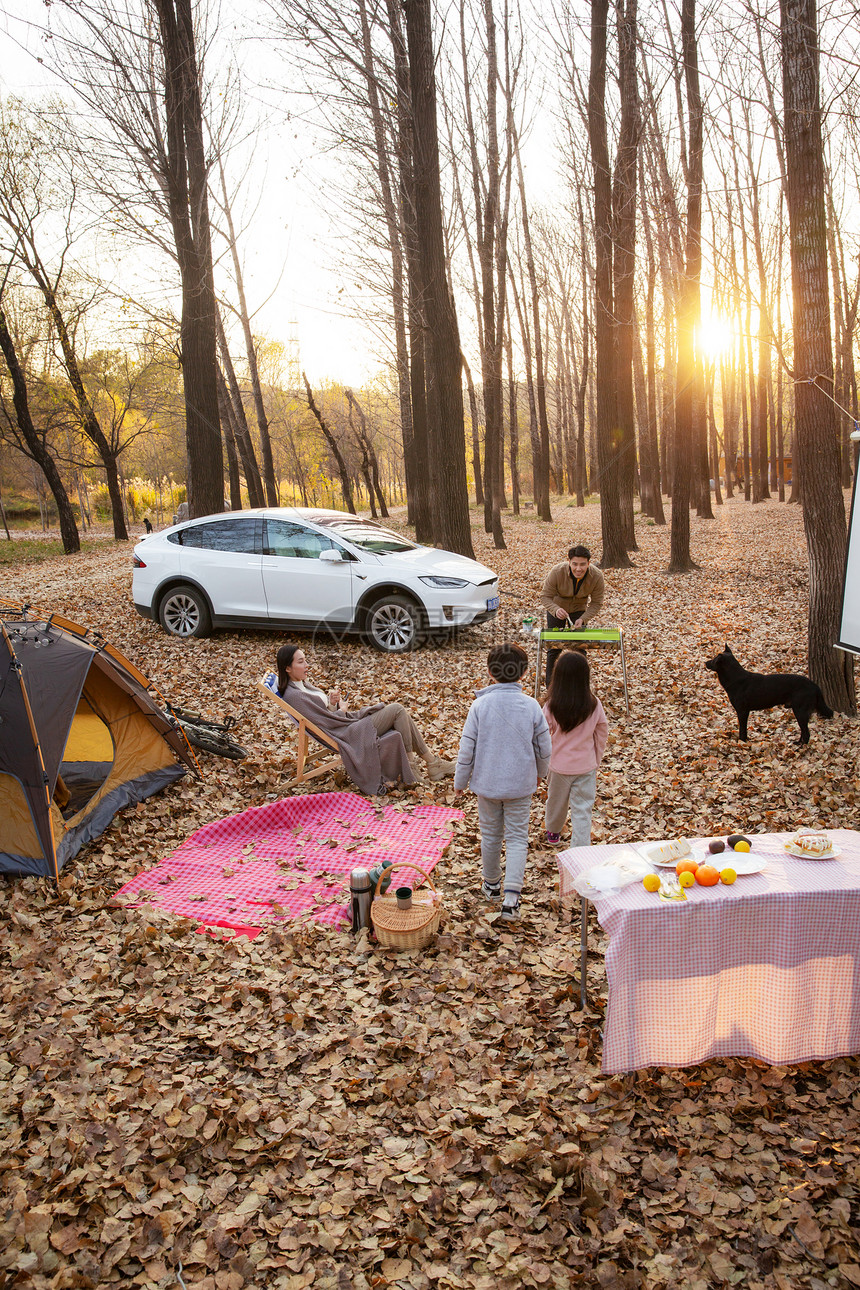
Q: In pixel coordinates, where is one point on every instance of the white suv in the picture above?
(308, 569)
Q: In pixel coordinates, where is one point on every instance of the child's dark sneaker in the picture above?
(510, 909)
(491, 890)
(553, 839)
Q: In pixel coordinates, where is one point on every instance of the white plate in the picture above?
(804, 855)
(645, 849)
(742, 862)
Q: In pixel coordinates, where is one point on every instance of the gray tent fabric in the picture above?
(54, 669)
(53, 682)
(20, 754)
(134, 790)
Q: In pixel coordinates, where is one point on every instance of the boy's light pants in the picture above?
(577, 792)
(508, 818)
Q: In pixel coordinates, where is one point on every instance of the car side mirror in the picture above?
(331, 556)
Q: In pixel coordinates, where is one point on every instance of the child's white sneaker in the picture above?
(510, 909)
(491, 891)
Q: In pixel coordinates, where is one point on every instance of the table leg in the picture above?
(583, 952)
(537, 665)
(624, 669)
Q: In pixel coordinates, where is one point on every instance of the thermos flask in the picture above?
(376, 873)
(361, 891)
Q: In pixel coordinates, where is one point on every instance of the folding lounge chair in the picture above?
(307, 728)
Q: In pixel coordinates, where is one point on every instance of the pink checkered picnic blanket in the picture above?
(289, 859)
(768, 967)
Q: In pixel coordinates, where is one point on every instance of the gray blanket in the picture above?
(370, 759)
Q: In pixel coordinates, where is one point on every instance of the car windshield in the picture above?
(369, 537)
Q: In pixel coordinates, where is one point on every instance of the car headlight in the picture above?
(443, 582)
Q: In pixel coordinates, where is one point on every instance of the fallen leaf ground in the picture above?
(307, 1110)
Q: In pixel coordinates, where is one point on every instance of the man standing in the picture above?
(572, 595)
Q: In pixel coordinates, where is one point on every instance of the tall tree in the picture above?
(250, 345)
(614, 554)
(32, 443)
(680, 560)
(624, 261)
(342, 468)
(816, 439)
(136, 66)
(446, 428)
(188, 203)
(38, 208)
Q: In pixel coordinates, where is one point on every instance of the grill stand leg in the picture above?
(624, 669)
(583, 953)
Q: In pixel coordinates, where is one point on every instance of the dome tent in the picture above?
(80, 737)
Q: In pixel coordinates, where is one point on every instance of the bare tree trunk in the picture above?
(89, 422)
(703, 505)
(540, 463)
(240, 424)
(816, 439)
(229, 433)
(624, 262)
(513, 422)
(371, 473)
(189, 216)
(446, 431)
(712, 426)
(476, 441)
(343, 471)
(36, 448)
(614, 554)
(250, 352)
(688, 315)
(651, 373)
(582, 384)
(415, 451)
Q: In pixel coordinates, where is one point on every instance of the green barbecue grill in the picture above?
(593, 637)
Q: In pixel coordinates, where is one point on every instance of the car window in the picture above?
(224, 535)
(370, 537)
(285, 538)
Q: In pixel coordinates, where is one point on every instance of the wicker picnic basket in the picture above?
(406, 929)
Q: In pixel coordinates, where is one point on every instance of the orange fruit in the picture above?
(728, 875)
(686, 866)
(707, 875)
(686, 878)
(651, 882)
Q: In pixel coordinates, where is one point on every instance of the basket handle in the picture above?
(403, 864)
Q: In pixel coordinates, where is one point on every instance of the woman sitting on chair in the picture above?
(357, 734)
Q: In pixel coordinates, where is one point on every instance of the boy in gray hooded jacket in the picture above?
(505, 749)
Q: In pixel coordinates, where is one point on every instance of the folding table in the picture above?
(598, 637)
(768, 967)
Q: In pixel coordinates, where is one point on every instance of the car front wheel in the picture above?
(183, 612)
(393, 625)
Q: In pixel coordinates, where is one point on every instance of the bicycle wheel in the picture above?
(210, 742)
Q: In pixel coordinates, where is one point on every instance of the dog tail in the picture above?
(821, 707)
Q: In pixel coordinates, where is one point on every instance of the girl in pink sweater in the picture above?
(578, 727)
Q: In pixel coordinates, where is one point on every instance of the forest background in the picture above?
(585, 289)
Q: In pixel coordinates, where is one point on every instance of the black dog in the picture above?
(751, 691)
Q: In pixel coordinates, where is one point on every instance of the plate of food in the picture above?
(812, 844)
(666, 854)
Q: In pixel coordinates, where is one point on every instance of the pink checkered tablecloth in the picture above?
(768, 967)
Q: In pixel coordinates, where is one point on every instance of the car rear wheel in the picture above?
(183, 612)
(393, 625)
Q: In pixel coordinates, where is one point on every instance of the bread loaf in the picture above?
(675, 850)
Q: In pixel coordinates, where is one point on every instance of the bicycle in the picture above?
(210, 736)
